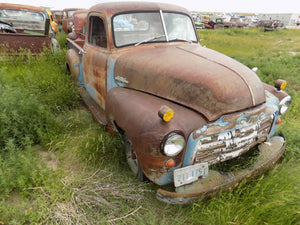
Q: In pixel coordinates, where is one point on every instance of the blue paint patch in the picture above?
(92, 92)
(81, 75)
(273, 101)
(165, 178)
(189, 152)
(110, 80)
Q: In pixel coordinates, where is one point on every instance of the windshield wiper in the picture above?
(149, 39)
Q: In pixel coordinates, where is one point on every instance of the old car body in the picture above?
(53, 24)
(27, 27)
(198, 21)
(79, 26)
(58, 16)
(67, 21)
(235, 22)
(271, 25)
(180, 107)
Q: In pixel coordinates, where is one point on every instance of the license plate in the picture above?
(189, 174)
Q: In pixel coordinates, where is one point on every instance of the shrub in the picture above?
(24, 120)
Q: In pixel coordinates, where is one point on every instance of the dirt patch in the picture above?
(14, 199)
(49, 159)
(294, 53)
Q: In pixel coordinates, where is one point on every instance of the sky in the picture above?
(243, 6)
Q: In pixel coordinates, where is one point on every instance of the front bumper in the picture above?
(269, 153)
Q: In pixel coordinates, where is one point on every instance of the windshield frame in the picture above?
(155, 40)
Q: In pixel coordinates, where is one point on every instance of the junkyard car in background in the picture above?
(58, 16)
(25, 27)
(198, 21)
(271, 25)
(53, 24)
(181, 108)
(79, 25)
(67, 21)
(235, 22)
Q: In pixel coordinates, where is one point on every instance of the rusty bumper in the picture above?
(269, 153)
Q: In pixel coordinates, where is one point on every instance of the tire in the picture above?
(132, 159)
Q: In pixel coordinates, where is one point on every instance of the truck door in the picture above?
(95, 58)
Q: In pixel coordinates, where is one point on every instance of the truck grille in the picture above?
(233, 142)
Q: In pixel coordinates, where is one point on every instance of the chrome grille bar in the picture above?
(231, 143)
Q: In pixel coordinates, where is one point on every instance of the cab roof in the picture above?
(113, 8)
(20, 6)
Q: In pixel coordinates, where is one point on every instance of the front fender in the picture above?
(136, 113)
(73, 64)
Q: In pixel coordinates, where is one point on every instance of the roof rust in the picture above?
(112, 8)
(20, 6)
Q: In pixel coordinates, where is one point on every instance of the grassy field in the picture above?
(57, 166)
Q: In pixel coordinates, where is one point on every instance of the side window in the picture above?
(97, 32)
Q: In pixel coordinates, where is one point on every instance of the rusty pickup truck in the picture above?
(181, 107)
(67, 21)
(24, 27)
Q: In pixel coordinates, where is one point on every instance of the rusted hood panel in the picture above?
(202, 79)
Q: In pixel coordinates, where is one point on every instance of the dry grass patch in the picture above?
(99, 198)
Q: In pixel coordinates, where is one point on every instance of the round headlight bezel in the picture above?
(173, 144)
(284, 104)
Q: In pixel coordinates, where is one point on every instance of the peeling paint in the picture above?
(229, 137)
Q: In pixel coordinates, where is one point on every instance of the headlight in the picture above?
(284, 104)
(173, 144)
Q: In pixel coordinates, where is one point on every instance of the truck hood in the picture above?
(191, 75)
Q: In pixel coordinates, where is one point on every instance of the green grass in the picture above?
(57, 166)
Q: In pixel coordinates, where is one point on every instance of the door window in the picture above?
(97, 32)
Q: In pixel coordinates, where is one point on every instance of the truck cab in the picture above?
(180, 107)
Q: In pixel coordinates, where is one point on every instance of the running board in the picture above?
(97, 112)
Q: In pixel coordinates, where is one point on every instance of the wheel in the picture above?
(132, 159)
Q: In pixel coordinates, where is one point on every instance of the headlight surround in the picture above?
(173, 144)
(284, 104)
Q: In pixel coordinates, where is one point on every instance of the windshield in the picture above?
(58, 13)
(21, 15)
(143, 27)
(70, 13)
(24, 20)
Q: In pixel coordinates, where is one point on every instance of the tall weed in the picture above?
(101, 149)
(43, 76)
(19, 171)
(24, 120)
(271, 199)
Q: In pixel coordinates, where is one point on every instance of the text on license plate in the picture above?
(189, 174)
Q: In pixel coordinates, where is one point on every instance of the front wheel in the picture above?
(132, 159)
